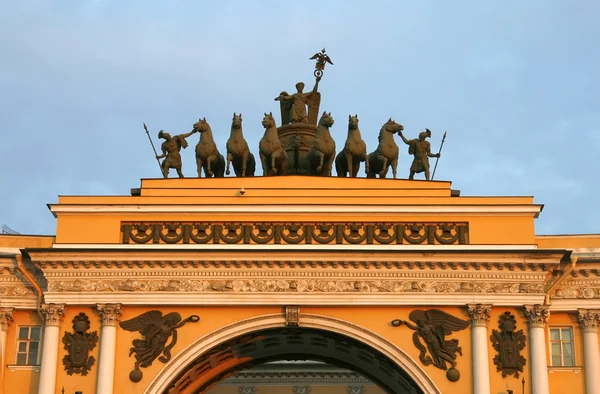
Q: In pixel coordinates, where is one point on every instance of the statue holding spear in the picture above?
(421, 149)
(170, 151)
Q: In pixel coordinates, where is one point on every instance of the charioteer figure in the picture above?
(171, 148)
(421, 149)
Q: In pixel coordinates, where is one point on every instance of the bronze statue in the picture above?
(319, 159)
(293, 106)
(171, 148)
(208, 157)
(156, 329)
(386, 154)
(432, 326)
(79, 345)
(348, 160)
(273, 157)
(238, 151)
(421, 149)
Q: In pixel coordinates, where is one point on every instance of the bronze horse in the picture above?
(238, 151)
(319, 159)
(207, 154)
(348, 160)
(386, 154)
(273, 157)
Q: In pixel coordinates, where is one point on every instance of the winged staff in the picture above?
(432, 326)
(156, 329)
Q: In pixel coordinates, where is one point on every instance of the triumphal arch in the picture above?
(298, 281)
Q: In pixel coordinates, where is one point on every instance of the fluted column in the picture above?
(589, 321)
(6, 317)
(537, 317)
(110, 314)
(480, 316)
(52, 314)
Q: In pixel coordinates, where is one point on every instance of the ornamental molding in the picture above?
(52, 313)
(299, 285)
(6, 317)
(537, 315)
(415, 233)
(577, 289)
(109, 313)
(589, 319)
(480, 314)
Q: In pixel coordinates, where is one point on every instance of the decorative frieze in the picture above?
(109, 313)
(6, 317)
(356, 390)
(581, 289)
(52, 313)
(280, 285)
(589, 319)
(537, 315)
(480, 314)
(295, 233)
(246, 389)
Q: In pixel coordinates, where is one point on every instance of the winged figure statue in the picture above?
(156, 329)
(432, 326)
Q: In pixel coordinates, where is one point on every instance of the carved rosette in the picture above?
(52, 313)
(301, 390)
(589, 320)
(356, 390)
(480, 314)
(110, 313)
(537, 315)
(6, 317)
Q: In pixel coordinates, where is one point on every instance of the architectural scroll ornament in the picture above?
(432, 326)
(6, 317)
(52, 313)
(589, 319)
(480, 314)
(295, 233)
(508, 343)
(537, 315)
(157, 330)
(78, 346)
(110, 313)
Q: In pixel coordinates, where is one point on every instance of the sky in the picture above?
(514, 83)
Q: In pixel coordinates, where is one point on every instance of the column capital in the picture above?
(479, 313)
(537, 315)
(109, 313)
(52, 313)
(589, 319)
(6, 317)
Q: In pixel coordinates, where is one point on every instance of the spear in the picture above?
(440, 151)
(154, 149)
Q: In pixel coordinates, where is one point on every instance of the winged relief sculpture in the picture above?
(157, 330)
(432, 326)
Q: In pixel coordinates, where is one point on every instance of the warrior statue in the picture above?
(421, 149)
(171, 148)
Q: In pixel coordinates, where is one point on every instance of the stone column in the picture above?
(480, 316)
(52, 314)
(110, 314)
(6, 317)
(589, 321)
(537, 317)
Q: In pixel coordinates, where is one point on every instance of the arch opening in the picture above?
(291, 343)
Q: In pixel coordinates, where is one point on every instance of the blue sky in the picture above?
(515, 84)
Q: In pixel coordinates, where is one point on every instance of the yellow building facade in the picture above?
(299, 284)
